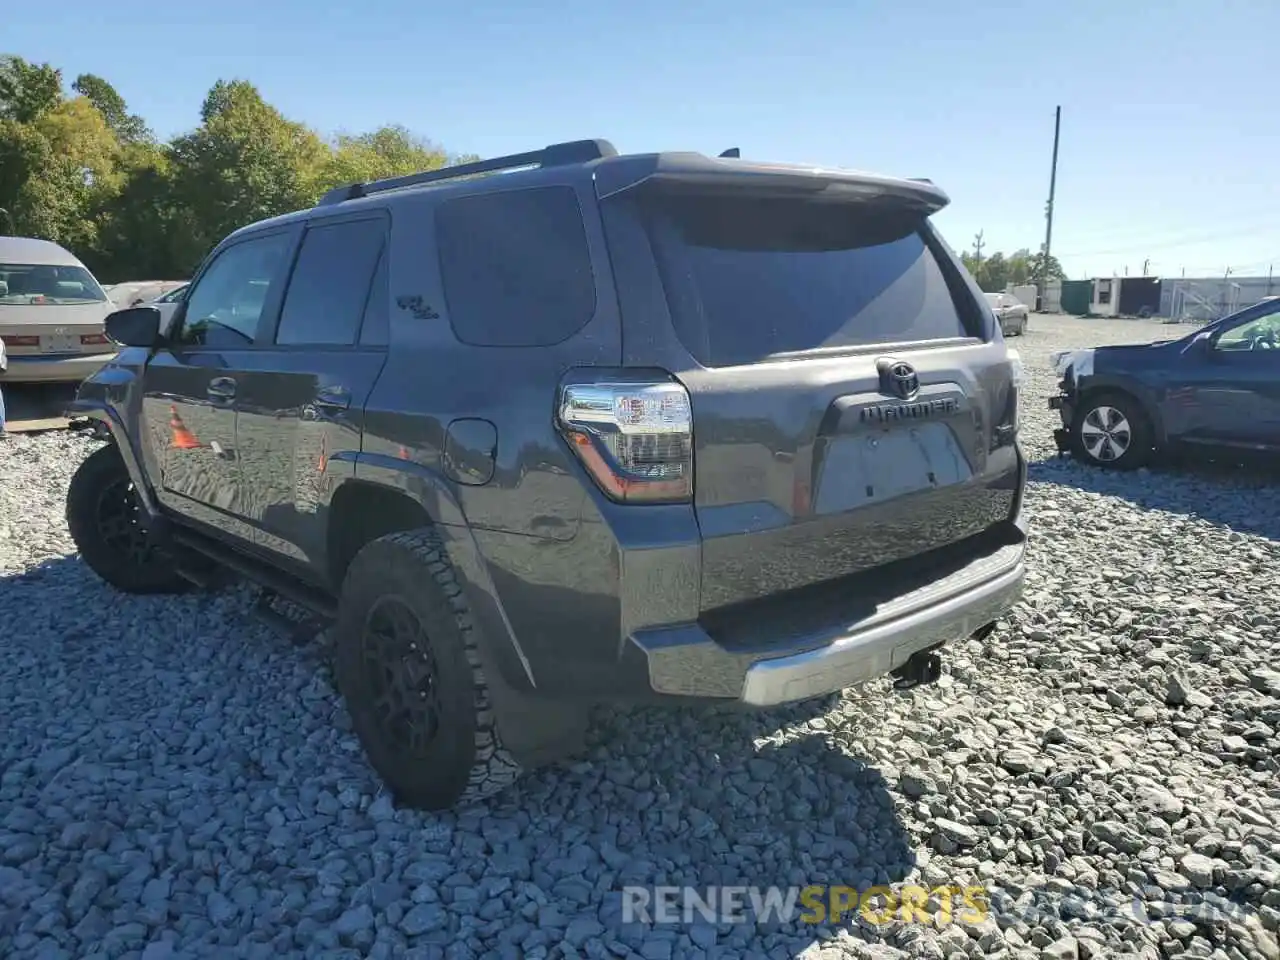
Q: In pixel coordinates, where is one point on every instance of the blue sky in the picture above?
(1169, 152)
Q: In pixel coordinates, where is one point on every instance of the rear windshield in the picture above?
(751, 278)
(34, 284)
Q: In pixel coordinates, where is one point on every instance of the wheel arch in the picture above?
(1145, 399)
(388, 495)
(108, 423)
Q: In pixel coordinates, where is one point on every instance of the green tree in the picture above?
(57, 171)
(128, 127)
(386, 152)
(1036, 263)
(82, 170)
(1018, 269)
(27, 90)
(143, 232)
(996, 272)
(245, 162)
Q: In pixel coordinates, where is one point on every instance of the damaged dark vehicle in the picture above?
(1214, 392)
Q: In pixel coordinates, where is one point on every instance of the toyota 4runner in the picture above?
(570, 426)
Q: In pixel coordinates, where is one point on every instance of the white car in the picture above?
(168, 304)
(1010, 311)
(133, 293)
(51, 314)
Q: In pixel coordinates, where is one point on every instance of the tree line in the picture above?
(995, 272)
(77, 168)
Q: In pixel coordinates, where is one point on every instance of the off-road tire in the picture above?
(1140, 449)
(466, 760)
(141, 568)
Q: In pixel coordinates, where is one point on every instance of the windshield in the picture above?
(992, 298)
(36, 284)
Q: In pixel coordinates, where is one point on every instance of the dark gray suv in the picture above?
(570, 426)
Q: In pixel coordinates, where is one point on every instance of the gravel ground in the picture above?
(176, 780)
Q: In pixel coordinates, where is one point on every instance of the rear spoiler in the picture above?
(696, 171)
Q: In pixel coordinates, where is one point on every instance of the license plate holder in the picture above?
(58, 343)
(874, 467)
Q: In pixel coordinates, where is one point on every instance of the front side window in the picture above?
(38, 284)
(1259, 333)
(225, 305)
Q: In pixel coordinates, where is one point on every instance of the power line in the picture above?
(1141, 234)
(1271, 230)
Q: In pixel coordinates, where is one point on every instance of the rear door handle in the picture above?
(333, 398)
(221, 388)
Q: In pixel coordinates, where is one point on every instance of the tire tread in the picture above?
(493, 769)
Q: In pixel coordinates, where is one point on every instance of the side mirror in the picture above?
(1202, 343)
(134, 327)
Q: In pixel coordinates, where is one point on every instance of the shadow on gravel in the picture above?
(694, 798)
(707, 798)
(1239, 496)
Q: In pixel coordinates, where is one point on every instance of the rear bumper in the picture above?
(687, 662)
(55, 368)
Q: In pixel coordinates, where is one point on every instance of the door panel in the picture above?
(1231, 390)
(192, 432)
(298, 430)
(191, 387)
(303, 392)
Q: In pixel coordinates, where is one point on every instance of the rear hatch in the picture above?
(852, 406)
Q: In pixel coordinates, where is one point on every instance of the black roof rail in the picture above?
(556, 155)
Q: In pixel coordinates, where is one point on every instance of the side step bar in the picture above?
(317, 601)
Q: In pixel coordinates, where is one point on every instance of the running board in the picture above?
(317, 601)
(299, 630)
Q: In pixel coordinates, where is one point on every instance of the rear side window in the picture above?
(327, 293)
(750, 278)
(516, 267)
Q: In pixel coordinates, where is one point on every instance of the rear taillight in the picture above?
(21, 341)
(93, 339)
(1019, 377)
(635, 439)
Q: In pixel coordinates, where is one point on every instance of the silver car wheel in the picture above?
(1106, 434)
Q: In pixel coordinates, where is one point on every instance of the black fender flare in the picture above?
(431, 491)
(536, 729)
(102, 413)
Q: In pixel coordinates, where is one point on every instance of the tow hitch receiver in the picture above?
(921, 668)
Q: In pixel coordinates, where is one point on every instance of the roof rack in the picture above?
(556, 155)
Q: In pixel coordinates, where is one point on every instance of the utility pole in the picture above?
(977, 248)
(1145, 264)
(1048, 216)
